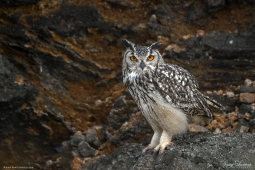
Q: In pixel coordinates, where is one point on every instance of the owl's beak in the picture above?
(142, 65)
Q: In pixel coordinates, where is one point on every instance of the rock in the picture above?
(65, 145)
(230, 1)
(252, 126)
(136, 128)
(247, 89)
(162, 15)
(76, 163)
(217, 131)
(96, 136)
(232, 116)
(215, 5)
(23, 124)
(76, 139)
(246, 116)
(85, 150)
(196, 11)
(197, 128)
(248, 82)
(122, 112)
(200, 33)
(247, 97)
(224, 47)
(219, 92)
(154, 28)
(248, 109)
(243, 126)
(192, 151)
(120, 103)
(230, 94)
(244, 129)
(124, 158)
(119, 4)
(10, 3)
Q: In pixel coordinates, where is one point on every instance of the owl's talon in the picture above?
(148, 149)
(161, 148)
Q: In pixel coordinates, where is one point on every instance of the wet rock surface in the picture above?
(62, 102)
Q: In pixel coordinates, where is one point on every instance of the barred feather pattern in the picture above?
(176, 85)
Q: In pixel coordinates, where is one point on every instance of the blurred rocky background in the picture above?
(62, 101)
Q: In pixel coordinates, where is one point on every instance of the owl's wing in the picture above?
(180, 88)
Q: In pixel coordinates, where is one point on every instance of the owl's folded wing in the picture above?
(178, 87)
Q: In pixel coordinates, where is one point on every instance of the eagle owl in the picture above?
(166, 94)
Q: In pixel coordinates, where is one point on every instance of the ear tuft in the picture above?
(128, 44)
(156, 45)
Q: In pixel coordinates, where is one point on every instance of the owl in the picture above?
(166, 94)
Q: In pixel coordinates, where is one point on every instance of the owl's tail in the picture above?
(214, 104)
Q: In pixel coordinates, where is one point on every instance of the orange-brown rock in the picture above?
(76, 163)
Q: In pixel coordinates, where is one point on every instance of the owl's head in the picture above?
(141, 59)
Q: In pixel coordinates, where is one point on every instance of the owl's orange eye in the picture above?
(133, 58)
(150, 58)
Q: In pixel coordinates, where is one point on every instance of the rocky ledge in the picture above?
(191, 151)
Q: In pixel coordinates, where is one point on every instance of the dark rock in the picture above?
(187, 5)
(136, 128)
(121, 114)
(76, 139)
(243, 126)
(252, 126)
(58, 149)
(230, 1)
(65, 145)
(229, 54)
(119, 4)
(196, 11)
(162, 14)
(215, 5)
(124, 158)
(19, 119)
(77, 21)
(13, 88)
(229, 42)
(13, 3)
(85, 150)
(120, 102)
(244, 108)
(247, 89)
(192, 151)
(96, 136)
(155, 28)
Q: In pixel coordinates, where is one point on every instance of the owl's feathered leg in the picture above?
(154, 141)
(165, 140)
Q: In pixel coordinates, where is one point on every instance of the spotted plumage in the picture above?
(167, 95)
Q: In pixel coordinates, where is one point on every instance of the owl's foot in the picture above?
(154, 141)
(161, 147)
(165, 140)
(149, 148)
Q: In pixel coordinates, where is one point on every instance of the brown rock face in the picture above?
(60, 70)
